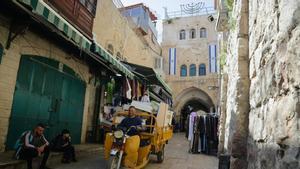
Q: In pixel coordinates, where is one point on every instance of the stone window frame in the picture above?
(203, 32)
(118, 56)
(183, 68)
(192, 33)
(110, 49)
(193, 70)
(202, 69)
(182, 34)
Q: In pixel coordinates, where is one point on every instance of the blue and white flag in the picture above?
(213, 58)
(172, 61)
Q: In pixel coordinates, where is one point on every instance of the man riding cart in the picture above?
(135, 135)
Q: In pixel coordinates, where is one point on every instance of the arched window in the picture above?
(183, 71)
(192, 34)
(182, 35)
(118, 56)
(203, 33)
(110, 49)
(192, 70)
(202, 70)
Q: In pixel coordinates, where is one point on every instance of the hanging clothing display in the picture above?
(128, 91)
(203, 134)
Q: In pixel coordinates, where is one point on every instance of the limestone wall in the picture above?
(274, 54)
(263, 89)
(111, 27)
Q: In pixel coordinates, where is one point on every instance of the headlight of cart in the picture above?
(118, 134)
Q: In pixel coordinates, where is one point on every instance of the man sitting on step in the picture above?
(62, 143)
(32, 144)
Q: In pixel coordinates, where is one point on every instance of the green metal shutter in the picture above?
(44, 94)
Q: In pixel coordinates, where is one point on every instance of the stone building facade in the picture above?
(34, 36)
(260, 82)
(121, 33)
(188, 64)
(32, 43)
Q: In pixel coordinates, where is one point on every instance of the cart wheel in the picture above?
(161, 155)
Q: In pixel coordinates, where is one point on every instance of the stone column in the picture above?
(223, 99)
(240, 55)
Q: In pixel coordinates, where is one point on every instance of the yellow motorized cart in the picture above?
(133, 152)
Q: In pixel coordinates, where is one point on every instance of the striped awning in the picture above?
(152, 95)
(166, 86)
(150, 75)
(42, 9)
(117, 64)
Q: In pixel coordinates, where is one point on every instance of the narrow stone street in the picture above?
(177, 157)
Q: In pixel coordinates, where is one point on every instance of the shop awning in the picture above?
(150, 75)
(42, 9)
(108, 57)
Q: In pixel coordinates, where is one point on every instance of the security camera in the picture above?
(210, 18)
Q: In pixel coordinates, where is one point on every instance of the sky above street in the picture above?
(171, 5)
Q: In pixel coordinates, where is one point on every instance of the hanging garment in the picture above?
(124, 87)
(201, 128)
(133, 90)
(128, 92)
(196, 135)
(145, 98)
(191, 125)
(184, 124)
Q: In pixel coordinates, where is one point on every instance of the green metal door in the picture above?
(43, 93)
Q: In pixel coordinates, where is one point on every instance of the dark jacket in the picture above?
(59, 142)
(129, 122)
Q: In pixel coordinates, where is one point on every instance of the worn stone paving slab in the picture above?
(177, 157)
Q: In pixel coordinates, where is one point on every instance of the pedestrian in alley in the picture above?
(32, 144)
(62, 143)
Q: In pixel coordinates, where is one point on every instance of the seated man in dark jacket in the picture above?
(62, 143)
(131, 121)
(32, 144)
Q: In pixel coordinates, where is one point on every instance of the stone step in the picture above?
(82, 150)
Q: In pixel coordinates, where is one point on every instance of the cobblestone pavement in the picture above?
(177, 157)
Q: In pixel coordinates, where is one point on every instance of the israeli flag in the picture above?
(172, 61)
(213, 58)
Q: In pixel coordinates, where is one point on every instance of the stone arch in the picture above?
(193, 97)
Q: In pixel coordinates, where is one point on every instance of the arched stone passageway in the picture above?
(191, 98)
